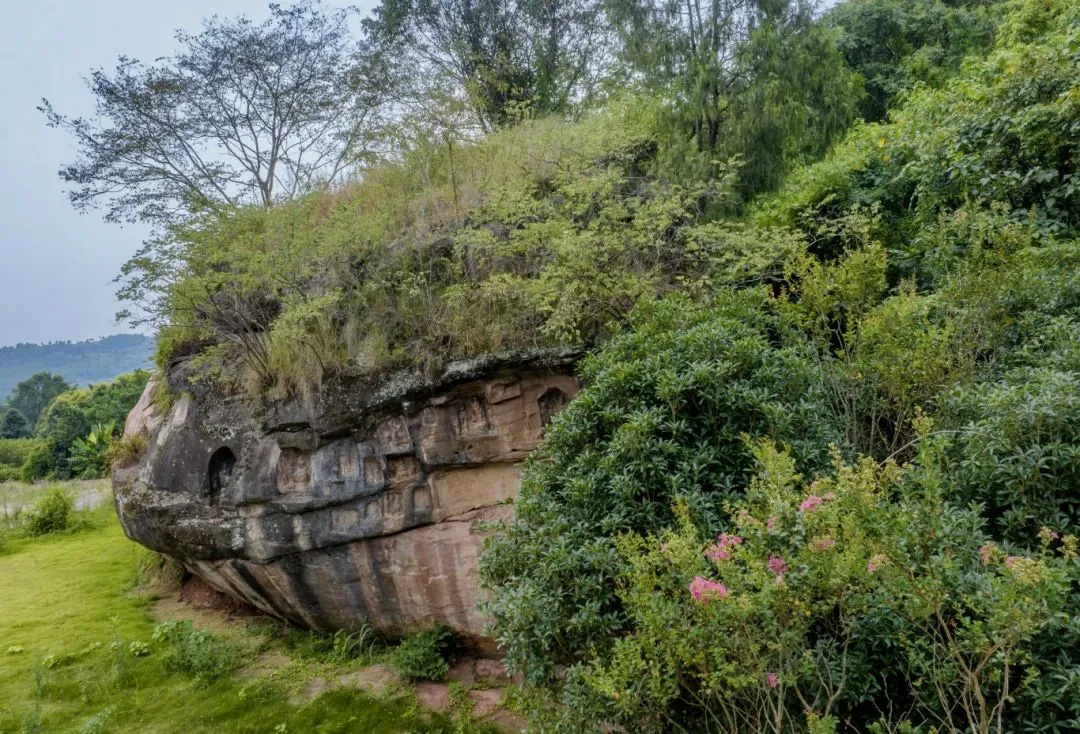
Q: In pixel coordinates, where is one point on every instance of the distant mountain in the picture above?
(80, 363)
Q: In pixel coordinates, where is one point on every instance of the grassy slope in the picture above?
(61, 594)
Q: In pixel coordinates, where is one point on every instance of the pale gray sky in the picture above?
(56, 266)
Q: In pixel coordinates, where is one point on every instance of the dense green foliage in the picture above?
(897, 44)
(939, 279)
(424, 655)
(13, 453)
(76, 430)
(79, 363)
(13, 424)
(663, 418)
(30, 397)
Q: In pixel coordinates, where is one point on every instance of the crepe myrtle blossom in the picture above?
(777, 565)
(704, 590)
(875, 563)
(720, 551)
(772, 522)
(811, 504)
(774, 680)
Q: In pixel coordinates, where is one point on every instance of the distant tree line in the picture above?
(50, 429)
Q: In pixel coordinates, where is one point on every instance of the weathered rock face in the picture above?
(369, 506)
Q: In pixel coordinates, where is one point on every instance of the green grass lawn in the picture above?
(68, 618)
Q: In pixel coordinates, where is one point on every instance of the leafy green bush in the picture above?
(423, 656)
(52, 513)
(1016, 450)
(89, 456)
(999, 132)
(662, 416)
(69, 421)
(194, 652)
(13, 451)
(815, 600)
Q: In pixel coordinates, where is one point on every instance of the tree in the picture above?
(66, 424)
(243, 113)
(13, 424)
(62, 422)
(756, 80)
(895, 44)
(504, 56)
(34, 393)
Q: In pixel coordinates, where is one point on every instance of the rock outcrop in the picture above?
(369, 506)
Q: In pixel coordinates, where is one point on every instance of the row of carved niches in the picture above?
(496, 421)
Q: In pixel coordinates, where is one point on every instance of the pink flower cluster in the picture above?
(774, 680)
(985, 554)
(720, 550)
(777, 565)
(703, 589)
(813, 503)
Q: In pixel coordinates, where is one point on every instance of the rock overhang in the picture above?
(369, 505)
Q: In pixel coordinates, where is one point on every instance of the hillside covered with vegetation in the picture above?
(823, 472)
(80, 363)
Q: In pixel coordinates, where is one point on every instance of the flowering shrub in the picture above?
(662, 416)
(856, 598)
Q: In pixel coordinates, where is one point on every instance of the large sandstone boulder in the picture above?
(370, 505)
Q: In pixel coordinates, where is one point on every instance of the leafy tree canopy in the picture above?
(244, 112)
(13, 424)
(34, 393)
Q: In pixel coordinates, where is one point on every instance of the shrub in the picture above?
(89, 455)
(337, 647)
(996, 133)
(423, 656)
(13, 451)
(40, 462)
(859, 597)
(1015, 449)
(661, 417)
(194, 652)
(127, 451)
(51, 514)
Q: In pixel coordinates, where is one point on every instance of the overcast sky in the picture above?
(56, 266)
